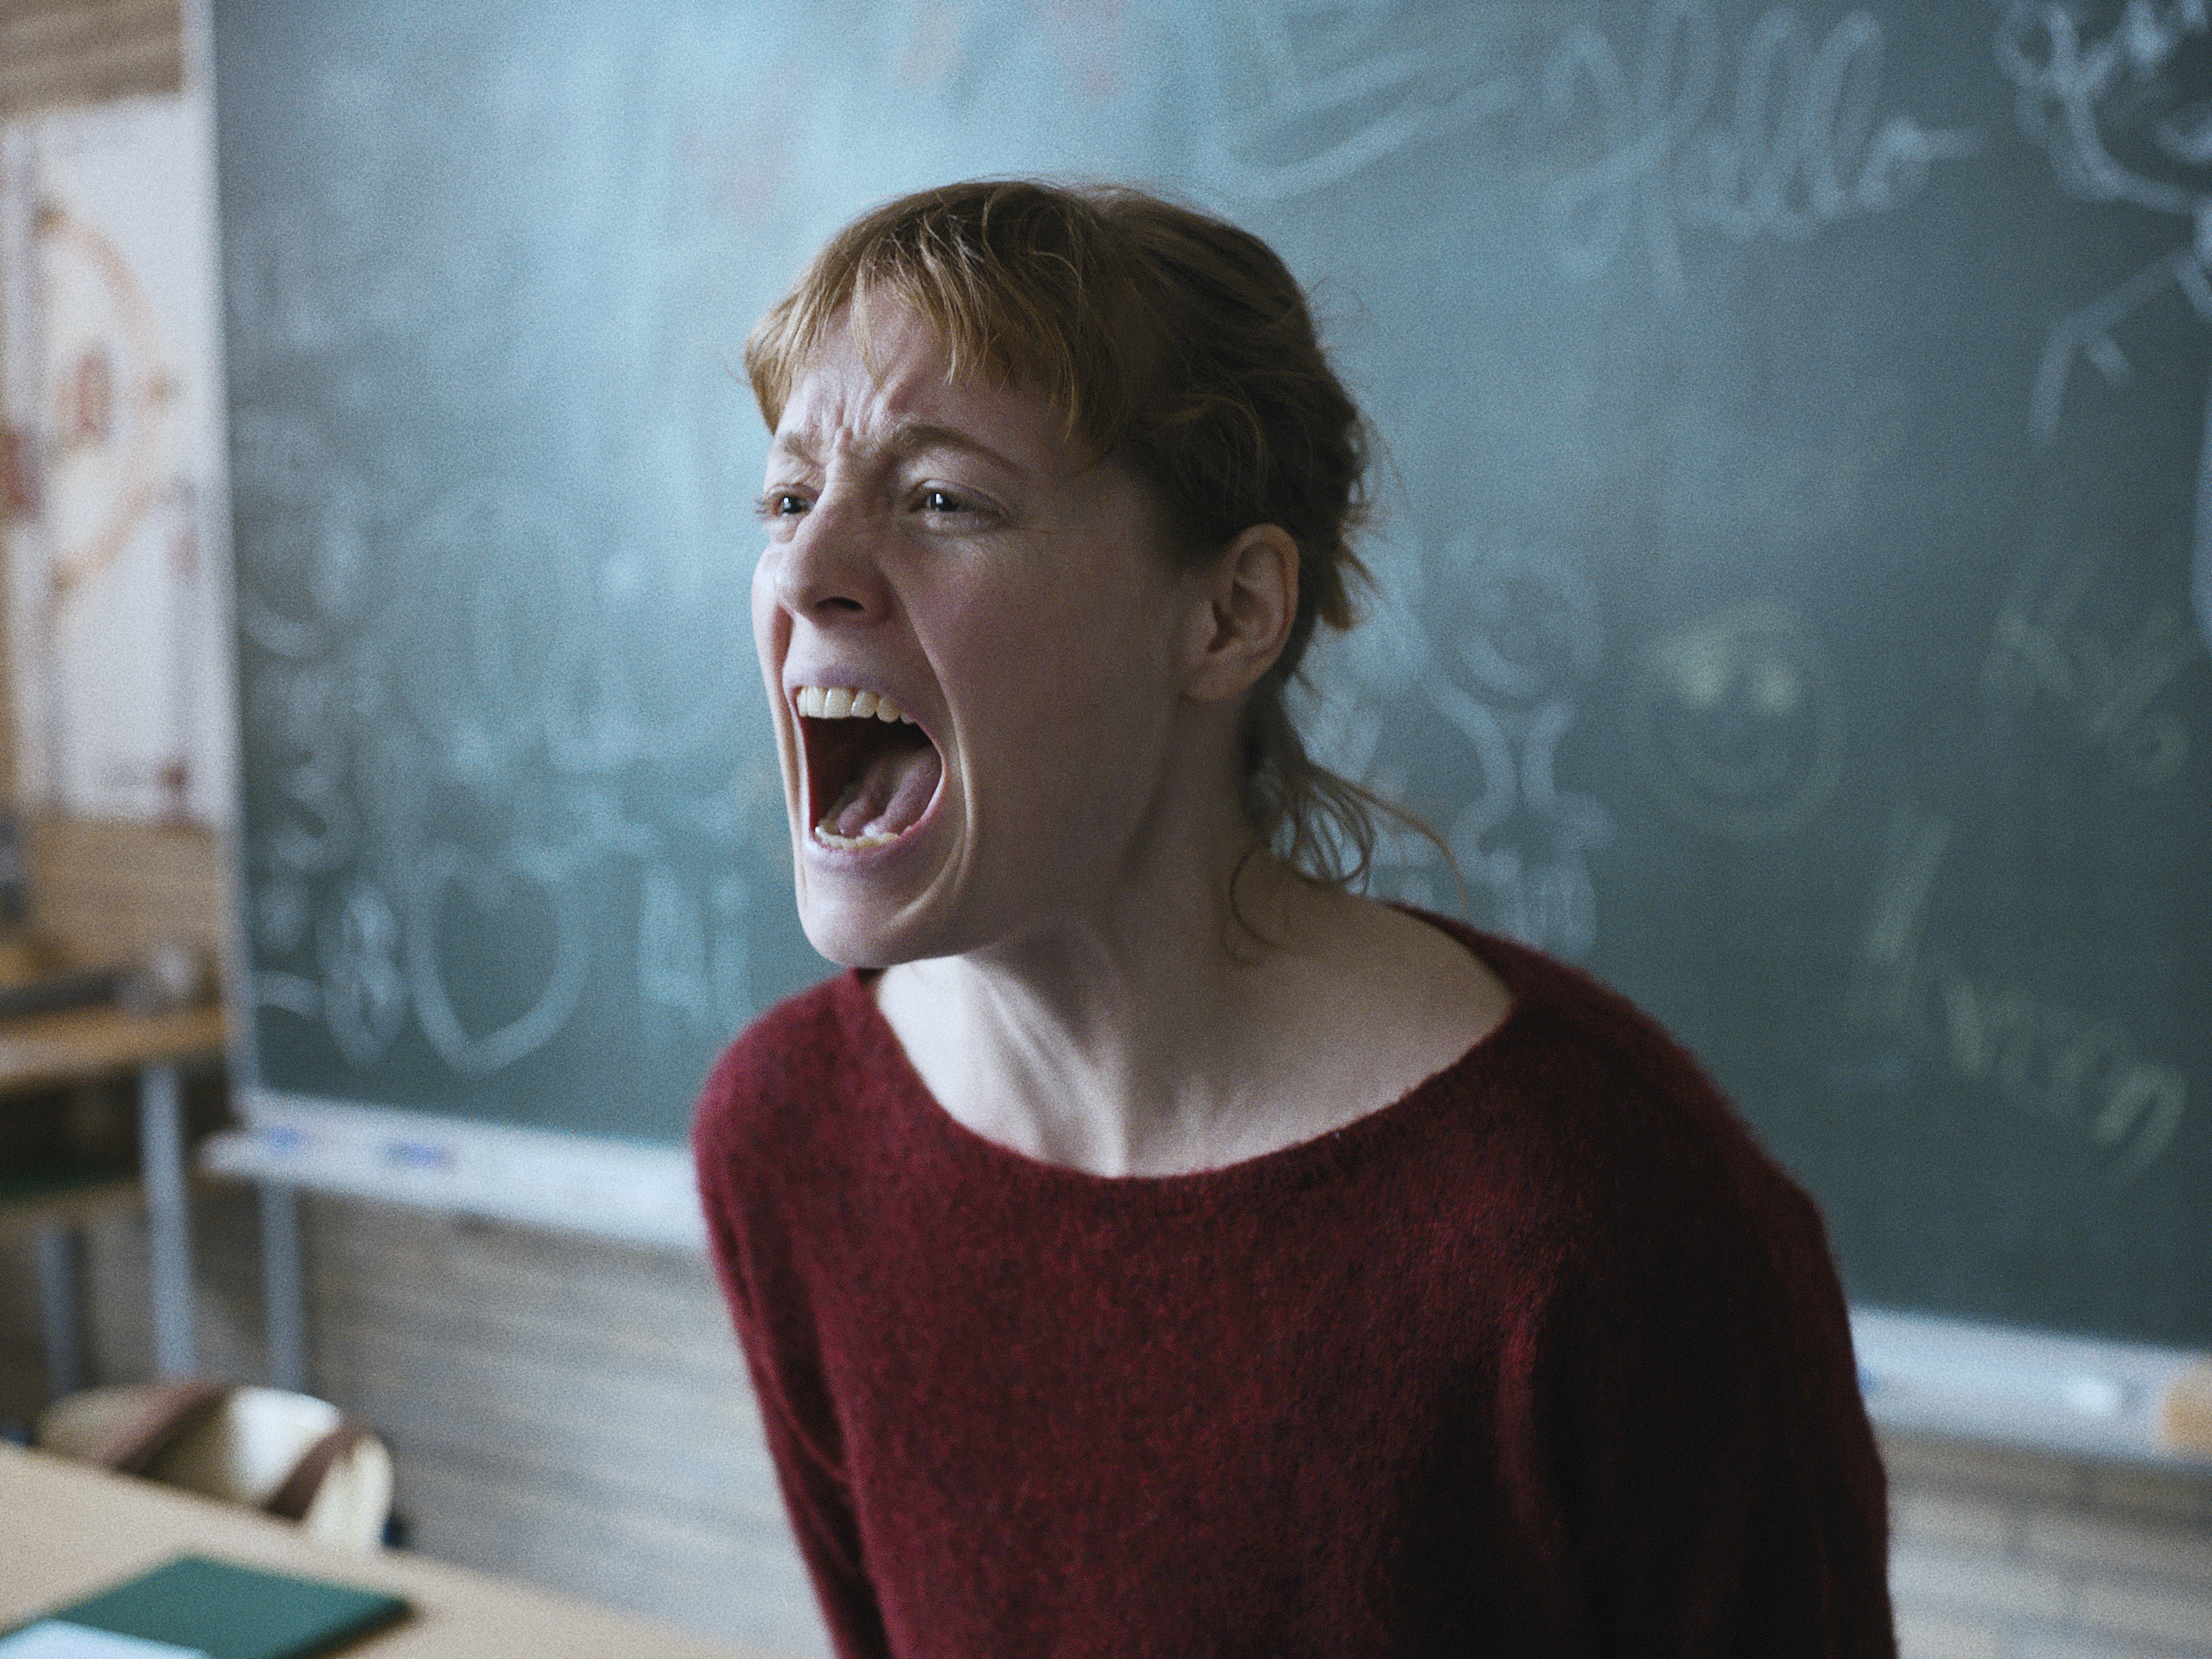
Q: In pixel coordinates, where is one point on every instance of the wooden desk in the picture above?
(75, 1044)
(67, 1529)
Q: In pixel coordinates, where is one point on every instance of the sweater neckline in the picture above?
(896, 1084)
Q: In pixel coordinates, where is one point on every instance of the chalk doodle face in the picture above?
(1738, 722)
(1533, 625)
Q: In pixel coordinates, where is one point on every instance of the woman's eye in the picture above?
(942, 500)
(781, 504)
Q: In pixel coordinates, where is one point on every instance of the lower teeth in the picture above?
(829, 837)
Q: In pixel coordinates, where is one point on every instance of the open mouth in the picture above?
(868, 759)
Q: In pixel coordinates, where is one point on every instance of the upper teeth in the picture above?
(839, 702)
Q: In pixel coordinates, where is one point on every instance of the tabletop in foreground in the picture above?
(67, 1529)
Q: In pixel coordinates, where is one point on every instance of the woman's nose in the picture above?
(825, 570)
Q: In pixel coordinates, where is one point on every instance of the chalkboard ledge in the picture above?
(625, 1191)
(2119, 1401)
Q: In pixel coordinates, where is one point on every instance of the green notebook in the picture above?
(227, 1612)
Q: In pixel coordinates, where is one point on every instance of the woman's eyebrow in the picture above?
(914, 437)
(794, 446)
(904, 440)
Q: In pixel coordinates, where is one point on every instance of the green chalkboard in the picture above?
(1795, 556)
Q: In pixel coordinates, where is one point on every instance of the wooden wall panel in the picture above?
(571, 1413)
(56, 52)
(112, 891)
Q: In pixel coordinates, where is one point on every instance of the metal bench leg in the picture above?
(61, 1307)
(283, 1287)
(168, 1218)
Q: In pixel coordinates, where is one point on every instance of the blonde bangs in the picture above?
(1010, 307)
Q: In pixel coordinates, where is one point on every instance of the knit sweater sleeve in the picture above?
(740, 1143)
(1689, 1439)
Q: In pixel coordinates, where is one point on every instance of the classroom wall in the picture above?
(573, 1413)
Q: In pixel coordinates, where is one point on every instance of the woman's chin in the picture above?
(861, 929)
(868, 901)
(834, 941)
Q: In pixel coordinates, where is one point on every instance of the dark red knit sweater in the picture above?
(1544, 1358)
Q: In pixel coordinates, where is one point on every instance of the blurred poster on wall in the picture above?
(111, 482)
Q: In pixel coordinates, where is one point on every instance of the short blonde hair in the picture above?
(1177, 345)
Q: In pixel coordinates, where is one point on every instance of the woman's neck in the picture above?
(1144, 1041)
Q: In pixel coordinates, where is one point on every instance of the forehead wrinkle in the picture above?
(797, 443)
(891, 412)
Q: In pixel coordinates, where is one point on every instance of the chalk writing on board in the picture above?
(2110, 111)
(2106, 688)
(2081, 1073)
(308, 565)
(1739, 721)
(363, 997)
(298, 707)
(695, 957)
(483, 670)
(1802, 148)
(1334, 101)
(292, 289)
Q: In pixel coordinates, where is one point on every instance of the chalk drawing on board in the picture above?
(310, 540)
(479, 666)
(1507, 681)
(2113, 115)
(1335, 101)
(1801, 146)
(2107, 687)
(298, 709)
(2081, 1073)
(1739, 721)
(460, 895)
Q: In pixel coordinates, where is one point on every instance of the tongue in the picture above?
(890, 796)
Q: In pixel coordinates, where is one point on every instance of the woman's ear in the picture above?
(1248, 602)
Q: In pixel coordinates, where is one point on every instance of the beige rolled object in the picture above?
(2185, 1413)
